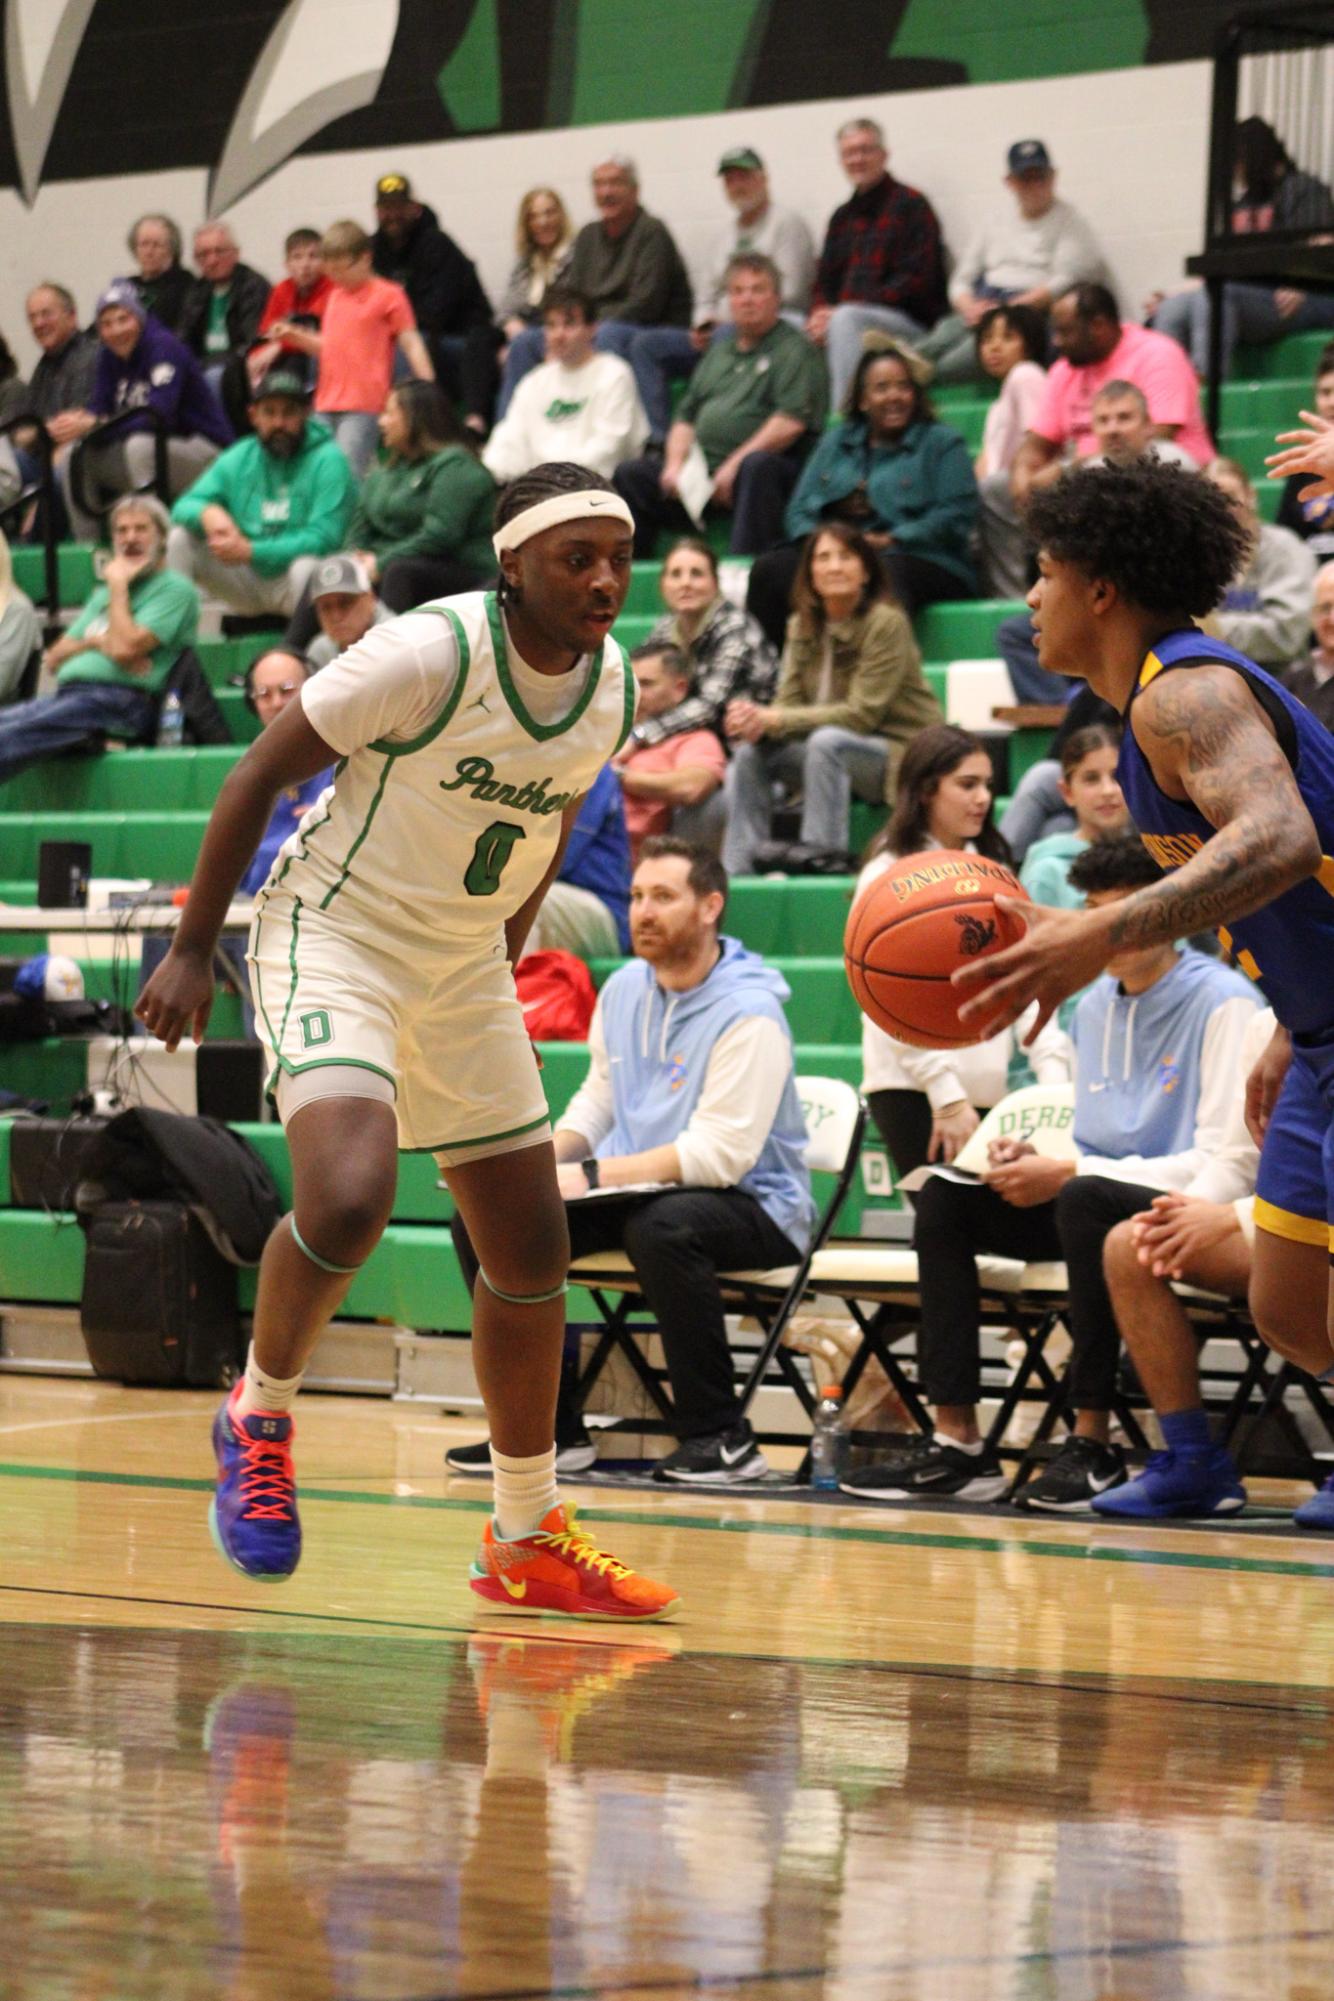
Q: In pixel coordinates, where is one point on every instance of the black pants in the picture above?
(468, 368)
(954, 1222)
(678, 1244)
(903, 1120)
(914, 580)
(763, 485)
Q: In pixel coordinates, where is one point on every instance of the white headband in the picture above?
(588, 504)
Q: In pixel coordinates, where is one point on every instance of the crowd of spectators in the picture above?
(330, 449)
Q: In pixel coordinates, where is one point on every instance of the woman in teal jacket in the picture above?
(423, 523)
(904, 480)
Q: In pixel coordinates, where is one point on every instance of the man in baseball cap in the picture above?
(1026, 254)
(756, 225)
(344, 602)
(253, 527)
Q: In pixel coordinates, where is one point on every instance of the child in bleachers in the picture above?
(366, 321)
(926, 1102)
(1011, 348)
(300, 297)
(1091, 790)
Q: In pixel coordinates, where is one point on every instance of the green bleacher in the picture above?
(143, 812)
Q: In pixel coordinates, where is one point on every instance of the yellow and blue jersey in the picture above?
(1288, 946)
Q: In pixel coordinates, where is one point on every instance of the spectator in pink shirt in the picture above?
(1095, 348)
(366, 320)
(681, 771)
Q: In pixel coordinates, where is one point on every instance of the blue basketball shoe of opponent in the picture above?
(252, 1517)
(1318, 1512)
(1191, 1485)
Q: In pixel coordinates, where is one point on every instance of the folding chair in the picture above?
(835, 1121)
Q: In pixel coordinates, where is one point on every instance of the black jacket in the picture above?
(442, 283)
(245, 306)
(165, 297)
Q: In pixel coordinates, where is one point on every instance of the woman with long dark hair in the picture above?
(851, 693)
(927, 1102)
(422, 524)
(892, 471)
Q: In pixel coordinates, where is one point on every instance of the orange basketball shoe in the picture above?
(560, 1569)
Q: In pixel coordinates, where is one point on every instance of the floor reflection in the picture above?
(298, 1819)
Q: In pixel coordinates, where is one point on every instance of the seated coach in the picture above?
(690, 1086)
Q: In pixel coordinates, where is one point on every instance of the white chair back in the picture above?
(1041, 1114)
(831, 1109)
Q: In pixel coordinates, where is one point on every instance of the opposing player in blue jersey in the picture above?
(1230, 782)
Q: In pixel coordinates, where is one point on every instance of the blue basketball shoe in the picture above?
(1194, 1484)
(1318, 1512)
(252, 1517)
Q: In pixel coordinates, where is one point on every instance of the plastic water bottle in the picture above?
(829, 1441)
(171, 723)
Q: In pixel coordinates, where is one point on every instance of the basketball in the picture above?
(912, 927)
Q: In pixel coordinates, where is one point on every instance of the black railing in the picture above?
(38, 493)
(106, 432)
(1277, 67)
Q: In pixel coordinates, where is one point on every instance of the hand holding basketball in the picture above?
(1060, 952)
(909, 930)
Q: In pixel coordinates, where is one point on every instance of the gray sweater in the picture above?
(1267, 611)
(637, 277)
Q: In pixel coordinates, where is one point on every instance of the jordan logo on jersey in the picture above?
(478, 775)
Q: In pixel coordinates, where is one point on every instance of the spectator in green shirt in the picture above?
(117, 657)
(256, 522)
(422, 525)
(754, 405)
(900, 477)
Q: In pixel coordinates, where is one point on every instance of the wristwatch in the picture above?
(590, 1171)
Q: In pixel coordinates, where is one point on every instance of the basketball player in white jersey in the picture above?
(381, 962)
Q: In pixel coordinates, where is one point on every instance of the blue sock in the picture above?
(1187, 1430)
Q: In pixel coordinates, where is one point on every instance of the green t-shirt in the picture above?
(731, 393)
(215, 333)
(164, 602)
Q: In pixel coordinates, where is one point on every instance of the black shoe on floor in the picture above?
(942, 1471)
(1081, 1469)
(714, 1461)
(474, 1461)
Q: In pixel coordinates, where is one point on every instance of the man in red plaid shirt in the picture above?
(883, 262)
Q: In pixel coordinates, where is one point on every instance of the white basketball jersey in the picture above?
(447, 836)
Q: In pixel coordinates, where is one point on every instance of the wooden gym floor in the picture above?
(883, 1755)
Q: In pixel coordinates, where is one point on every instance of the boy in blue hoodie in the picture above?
(691, 1087)
(1158, 1042)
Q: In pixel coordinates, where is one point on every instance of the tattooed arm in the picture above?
(1208, 741)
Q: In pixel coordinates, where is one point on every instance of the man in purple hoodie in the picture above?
(140, 367)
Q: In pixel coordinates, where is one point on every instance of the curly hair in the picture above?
(1168, 540)
(1120, 863)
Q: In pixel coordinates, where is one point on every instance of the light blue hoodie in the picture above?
(659, 1045)
(1138, 1057)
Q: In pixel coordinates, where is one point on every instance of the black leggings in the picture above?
(956, 1221)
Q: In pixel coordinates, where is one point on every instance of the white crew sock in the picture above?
(524, 1491)
(261, 1392)
(972, 1448)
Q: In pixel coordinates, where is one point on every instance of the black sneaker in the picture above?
(1081, 1469)
(714, 1461)
(474, 1461)
(942, 1470)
